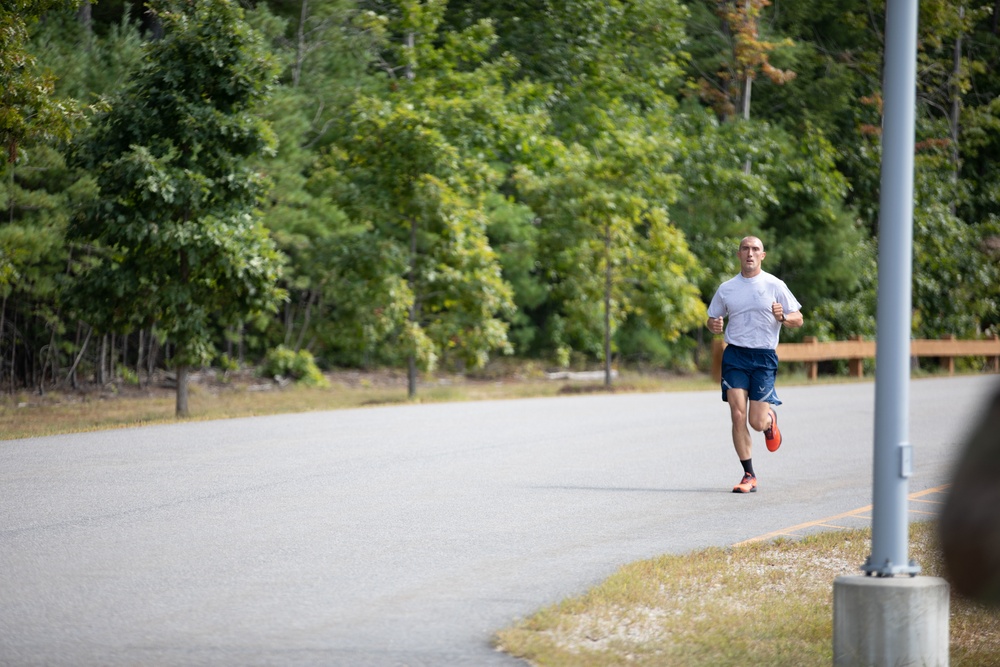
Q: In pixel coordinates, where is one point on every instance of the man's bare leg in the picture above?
(760, 415)
(737, 399)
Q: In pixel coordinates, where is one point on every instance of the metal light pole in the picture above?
(892, 467)
(883, 620)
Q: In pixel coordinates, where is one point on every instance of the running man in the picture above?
(757, 305)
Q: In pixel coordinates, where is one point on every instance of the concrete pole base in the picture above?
(890, 621)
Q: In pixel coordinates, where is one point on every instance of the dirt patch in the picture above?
(163, 384)
(598, 389)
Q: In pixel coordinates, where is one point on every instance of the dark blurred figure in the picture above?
(970, 522)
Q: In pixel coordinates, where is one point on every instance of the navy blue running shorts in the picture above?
(750, 369)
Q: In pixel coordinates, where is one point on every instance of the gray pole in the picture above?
(888, 620)
(892, 464)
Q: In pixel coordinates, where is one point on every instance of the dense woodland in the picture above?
(427, 184)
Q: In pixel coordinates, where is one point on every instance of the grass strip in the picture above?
(27, 415)
(765, 603)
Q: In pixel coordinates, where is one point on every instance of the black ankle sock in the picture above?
(748, 466)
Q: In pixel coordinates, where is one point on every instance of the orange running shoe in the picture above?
(748, 485)
(772, 436)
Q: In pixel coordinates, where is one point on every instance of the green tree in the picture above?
(513, 233)
(815, 240)
(176, 240)
(731, 54)
(954, 188)
(304, 222)
(596, 54)
(955, 272)
(794, 199)
(980, 119)
(415, 166)
(602, 202)
(320, 65)
(86, 65)
(607, 245)
(718, 202)
(34, 197)
(27, 107)
(616, 79)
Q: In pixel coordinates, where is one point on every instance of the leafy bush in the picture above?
(129, 376)
(300, 366)
(228, 364)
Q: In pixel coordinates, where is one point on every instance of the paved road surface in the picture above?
(402, 535)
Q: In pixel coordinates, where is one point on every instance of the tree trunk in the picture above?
(30, 361)
(3, 318)
(112, 366)
(84, 16)
(55, 367)
(138, 358)
(49, 362)
(240, 347)
(411, 365)
(607, 305)
(151, 20)
(102, 361)
(76, 362)
(182, 391)
(956, 106)
(125, 338)
(13, 348)
(151, 358)
(289, 322)
(300, 44)
(411, 376)
(411, 45)
(411, 361)
(306, 318)
(747, 88)
(700, 338)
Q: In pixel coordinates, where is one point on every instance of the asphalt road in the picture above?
(403, 535)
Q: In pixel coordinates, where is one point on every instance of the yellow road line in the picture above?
(858, 513)
(927, 492)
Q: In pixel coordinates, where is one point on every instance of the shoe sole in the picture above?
(753, 490)
(774, 424)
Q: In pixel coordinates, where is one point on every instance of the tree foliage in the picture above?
(451, 180)
(173, 234)
(27, 108)
(606, 243)
(740, 54)
(415, 166)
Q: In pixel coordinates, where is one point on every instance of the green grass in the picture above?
(760, 604)
(27, 414)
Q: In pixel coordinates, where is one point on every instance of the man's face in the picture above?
(751, 255)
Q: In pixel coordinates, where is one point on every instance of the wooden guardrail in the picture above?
(856, 350)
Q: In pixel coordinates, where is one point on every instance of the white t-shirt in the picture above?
(746, 303)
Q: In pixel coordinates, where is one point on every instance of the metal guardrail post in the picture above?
(857, 365)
